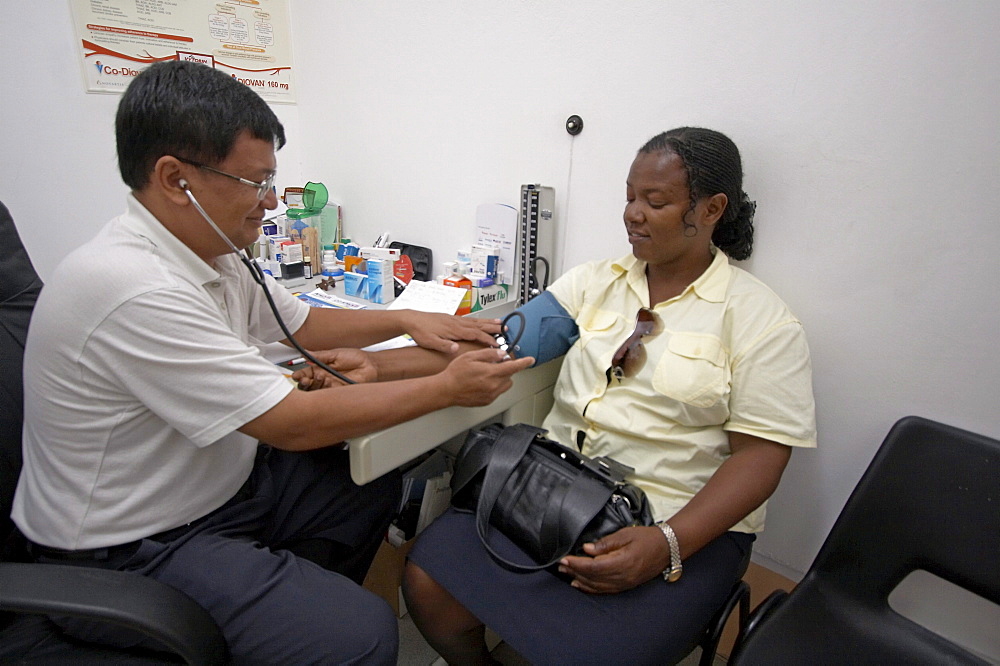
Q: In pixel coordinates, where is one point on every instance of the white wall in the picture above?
(870, 138)
(59, 172)
(869, 133)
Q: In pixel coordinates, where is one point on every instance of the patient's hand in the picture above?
(440, 332)
(353, 363)
(619, 561)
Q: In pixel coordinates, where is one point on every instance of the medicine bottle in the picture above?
(329, 261)
(307, 268)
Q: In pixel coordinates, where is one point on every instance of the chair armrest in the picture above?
(129, 600)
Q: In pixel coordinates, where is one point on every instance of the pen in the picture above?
(296, 361)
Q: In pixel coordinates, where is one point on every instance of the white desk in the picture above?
(528, 401)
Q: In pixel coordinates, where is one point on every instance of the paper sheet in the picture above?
(319, 298)
(496, 224)
(425, 297)
(428, 297)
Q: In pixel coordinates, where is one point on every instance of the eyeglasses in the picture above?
(263, 187)
(631, 356)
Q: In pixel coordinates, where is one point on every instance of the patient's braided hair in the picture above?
(713, 165)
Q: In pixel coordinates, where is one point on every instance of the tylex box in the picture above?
(487, 297)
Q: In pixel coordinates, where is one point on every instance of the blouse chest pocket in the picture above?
(594, 322)
(694, 370)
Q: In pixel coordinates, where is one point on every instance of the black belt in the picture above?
(96, 554)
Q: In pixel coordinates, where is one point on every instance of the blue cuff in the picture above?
(549, 331)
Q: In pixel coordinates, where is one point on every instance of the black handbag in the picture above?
(545, 497)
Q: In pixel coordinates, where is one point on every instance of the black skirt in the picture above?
(549, 622)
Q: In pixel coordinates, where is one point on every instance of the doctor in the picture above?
(145, 395)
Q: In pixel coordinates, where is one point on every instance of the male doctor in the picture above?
(146, 396)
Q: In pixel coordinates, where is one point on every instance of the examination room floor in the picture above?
(414, 650)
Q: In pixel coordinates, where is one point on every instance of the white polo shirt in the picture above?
(140, 365)
(730, 357)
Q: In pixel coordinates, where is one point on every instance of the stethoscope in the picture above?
(258, 276)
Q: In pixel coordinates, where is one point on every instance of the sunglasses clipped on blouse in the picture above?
(631, 356)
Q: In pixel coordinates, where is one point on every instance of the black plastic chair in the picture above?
(929, 500)
(30, 592)
(709, 644)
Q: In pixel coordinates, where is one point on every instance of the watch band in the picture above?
(672, 572)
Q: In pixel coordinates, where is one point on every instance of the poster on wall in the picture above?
(247, 39)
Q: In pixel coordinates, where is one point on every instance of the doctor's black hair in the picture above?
(713, 165)
(188, 110)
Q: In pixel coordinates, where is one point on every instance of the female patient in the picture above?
(688, 369)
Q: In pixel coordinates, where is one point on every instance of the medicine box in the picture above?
(479, 281)
(380, 282)
(484, 260)
(488, 297)
(274, 246)
(356, 285)
(291, 252)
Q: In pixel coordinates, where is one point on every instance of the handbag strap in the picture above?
(582, 502)
(474, 458)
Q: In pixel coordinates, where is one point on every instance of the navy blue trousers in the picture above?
(252, 564)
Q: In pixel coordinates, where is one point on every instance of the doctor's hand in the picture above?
(353, 363)
(441, 332)
(476, 378)
(620, 561)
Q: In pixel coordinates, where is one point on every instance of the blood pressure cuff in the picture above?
(549, 331)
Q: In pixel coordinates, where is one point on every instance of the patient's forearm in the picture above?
(409, 362)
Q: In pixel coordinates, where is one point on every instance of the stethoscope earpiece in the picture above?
(183, 183)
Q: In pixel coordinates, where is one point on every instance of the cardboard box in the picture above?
(488, 297)
(426, 494)
(386, 574)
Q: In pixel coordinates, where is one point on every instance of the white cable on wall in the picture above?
(574, 125)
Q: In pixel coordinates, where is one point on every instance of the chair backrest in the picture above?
(19, 288)
(929, 500)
